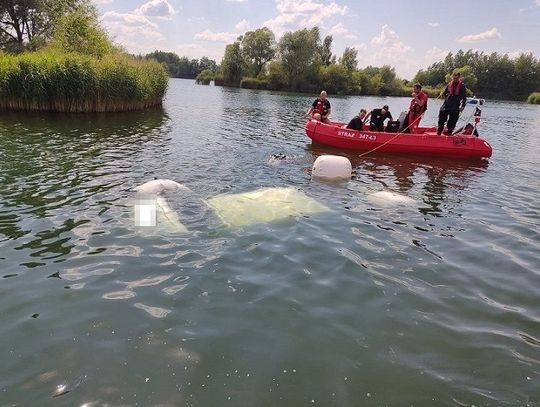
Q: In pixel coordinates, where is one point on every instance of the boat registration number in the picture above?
(362, 136)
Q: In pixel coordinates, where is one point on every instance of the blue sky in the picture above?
(405, 34)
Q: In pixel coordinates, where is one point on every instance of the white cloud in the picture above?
(133, 31)
(156, 8)
(360, 47)
(537, 3)
(211, 36)
(518, 52)
(339, 29)
(103, 1)
(388, 46)
(435, 54)
(296, 14)
(387, 49)
(435, 24)
(486, 35)
(236, 1)
(242, 25)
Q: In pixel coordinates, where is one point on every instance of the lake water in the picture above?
(434, 303)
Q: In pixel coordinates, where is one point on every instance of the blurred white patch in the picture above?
(388, 198)
(145, 212)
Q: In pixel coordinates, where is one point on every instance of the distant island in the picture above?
(62, 60)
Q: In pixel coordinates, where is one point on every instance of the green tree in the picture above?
(80, 32)
(26, 22)
(258, 47)
(325, 51)
(348, 59)
(233, 67)
(527, 69)
(208, 64)
(335, 78)
(276, 76)
(298, 52)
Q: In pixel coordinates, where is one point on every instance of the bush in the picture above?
(534, 98)
(205, 77)
(253, 83)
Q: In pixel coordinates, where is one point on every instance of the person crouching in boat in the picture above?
(320, 109)
(357, 122)
(454, 102)
(417, 108)
(378, 116)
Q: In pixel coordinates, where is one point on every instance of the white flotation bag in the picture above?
(332, 167)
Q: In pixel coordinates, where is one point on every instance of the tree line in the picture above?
(302, 61)
(488, 75)
(183, 67)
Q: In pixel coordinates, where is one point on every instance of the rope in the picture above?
(393, 138)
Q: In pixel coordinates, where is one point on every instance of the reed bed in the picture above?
(49, 80)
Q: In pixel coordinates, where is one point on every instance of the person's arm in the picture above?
(367, 117)
(444, 92)
(463, 97)
(311, 109)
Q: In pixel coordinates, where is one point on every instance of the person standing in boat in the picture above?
(455, 98)
(357, 122)
(378, 116)
(417, 107)
(320, 109)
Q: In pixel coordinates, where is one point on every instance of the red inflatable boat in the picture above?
(425, 141)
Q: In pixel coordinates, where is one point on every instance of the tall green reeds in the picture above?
(92, 77)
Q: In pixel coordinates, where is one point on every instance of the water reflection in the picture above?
(64, 170)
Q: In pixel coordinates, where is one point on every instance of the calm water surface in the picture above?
(434, 303)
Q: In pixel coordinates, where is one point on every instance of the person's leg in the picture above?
(443, 116)
(414, 120)
(454, 116)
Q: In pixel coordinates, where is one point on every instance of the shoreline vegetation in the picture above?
(534, 98)
(78, 69)
(301, 62)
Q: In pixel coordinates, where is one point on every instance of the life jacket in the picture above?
(452, 91)
(320, 108)
(417, 109)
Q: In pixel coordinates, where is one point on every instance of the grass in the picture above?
(48, 80)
